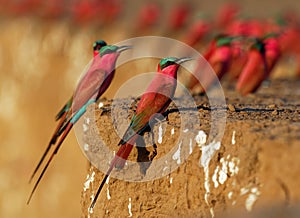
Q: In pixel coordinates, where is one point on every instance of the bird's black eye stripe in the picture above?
(97, 47)
(168, 63)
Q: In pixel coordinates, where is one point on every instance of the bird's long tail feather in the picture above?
(61, 113)
(65, 133)
(52, 142)
(65, 109)
(112, 165)
(118, 162)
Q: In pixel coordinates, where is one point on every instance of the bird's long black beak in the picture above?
(123, 48)
(182, 60)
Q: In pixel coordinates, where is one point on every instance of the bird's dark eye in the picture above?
(97, 47)
(164, 65)
(168, 63)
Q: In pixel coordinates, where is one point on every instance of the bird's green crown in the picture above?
(224, 41)
(167, 62)
(281, 21)
(99, 44)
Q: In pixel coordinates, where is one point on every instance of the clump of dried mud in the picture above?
(254, 171)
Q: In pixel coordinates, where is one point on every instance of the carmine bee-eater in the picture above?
(155, 100)
(108, 10)
(178, 16)
(197, 32)
(62, 115)
(90, 88)
(96, 49)
(238, 59)
(148, 17)
(23, 7)
(263, 55)
(289, 26)
(83, 11)
(218, 56)
(51, 9)
(226, 15)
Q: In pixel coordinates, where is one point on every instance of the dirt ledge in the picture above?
(255, 170)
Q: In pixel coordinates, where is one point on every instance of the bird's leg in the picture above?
(154, 152)
(143, 155)
(167, 117)
(146, 155)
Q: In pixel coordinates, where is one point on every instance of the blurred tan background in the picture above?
(40, 62)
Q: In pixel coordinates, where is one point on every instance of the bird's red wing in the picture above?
(155, 100)
(87, 88)
(151, 103)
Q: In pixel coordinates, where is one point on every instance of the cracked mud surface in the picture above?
(255, 169)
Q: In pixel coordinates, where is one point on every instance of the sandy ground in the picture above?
(254, 170)
(40, 62)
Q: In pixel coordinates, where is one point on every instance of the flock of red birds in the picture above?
(80, 11)
(246, 49)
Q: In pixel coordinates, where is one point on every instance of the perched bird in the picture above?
(155, 100)
(197, 32)
(218, 56)
(238, 59)
(262, 57)
(178, 16)
(246, 27)
(62, 115)
(52, 9)
(83, 12)
(148, 16)
(226, 15)
(288, 25)
(90, 88)
(23, 7)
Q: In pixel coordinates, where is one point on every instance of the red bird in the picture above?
(238, 60)
(89, 90)
(63, 114)
(148, 16)
(263, 55)
(178, 16)
(155, 100)
(219, 57)
(197, 32)
(226, 15)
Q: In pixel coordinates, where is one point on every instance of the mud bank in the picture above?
(254, 170)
